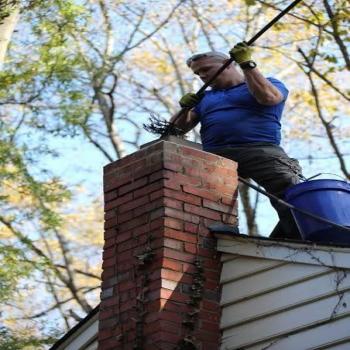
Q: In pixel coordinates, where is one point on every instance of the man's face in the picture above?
(206, 67)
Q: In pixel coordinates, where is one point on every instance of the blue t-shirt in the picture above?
(233, 117)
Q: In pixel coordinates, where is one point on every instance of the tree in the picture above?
(93, 71)
(63, 90)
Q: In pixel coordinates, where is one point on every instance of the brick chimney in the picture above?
(161, 271)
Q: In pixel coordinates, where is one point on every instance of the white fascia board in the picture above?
(289, 251)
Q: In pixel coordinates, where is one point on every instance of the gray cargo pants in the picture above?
(269, 166)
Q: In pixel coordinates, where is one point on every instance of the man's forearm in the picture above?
(262, 89)
(184, 120)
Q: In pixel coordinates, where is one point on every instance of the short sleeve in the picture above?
(280, 86)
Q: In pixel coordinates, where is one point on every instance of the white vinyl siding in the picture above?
(278, 295)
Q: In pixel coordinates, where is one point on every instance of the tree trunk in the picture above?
(7, 26)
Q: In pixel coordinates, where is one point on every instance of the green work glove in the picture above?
(241, 53)
(190, 100)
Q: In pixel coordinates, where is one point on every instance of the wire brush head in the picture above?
(160, 126)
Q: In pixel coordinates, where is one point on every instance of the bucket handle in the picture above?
(312, 177)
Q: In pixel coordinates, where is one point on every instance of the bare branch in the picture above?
(327, 125)
(161, 25)
(336, 34)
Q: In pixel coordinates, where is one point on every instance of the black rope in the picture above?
(163, 127)
(292, 207)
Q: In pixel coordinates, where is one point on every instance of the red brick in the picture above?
(148, 170)
(151, 328)
(127, 255)
(177, 214)
(137, 202)
(226, 163)
(172, 316)
(209, 326)
(221, 189)
(193, 163)
(138, 221)
(113, 181)
(170, 326)
(133, 168)
(174, 244)
(108, 272)
(133, 186)
(210, 305)
(157, 224)
(179, 235)
(110, 301)
(118, 201)
(173, 157)
(120, 163)
(125, 217)
(191, 227)
(175, 254)
(173, 203)
(109, 196)
(109, 214)
(211, 285)
(105, 333)
(211, 264)
(107, 253)
(173, 166)
(151, 206)
(212, 275)
(121, 237)
(194, 171)
(184, 197)
(107, 313)
(147, 189)
(110, 234)
(172, 192)
(217, 206)
(108, 344)
(157, 213)
(173, 223)
(109, 262)
(170, 305)
(127, 305)
(210, 339)
(146, 228)
(191, 248)
(172, 184)
(230, 200)
(194, 153)
(172, 275)
(126, 245)
(172, 265)
(184, 179)
(207, 213)
(126, 285)
(110, 223)
(167, 337)
(157, 176)
(156, 194)
(212, 195)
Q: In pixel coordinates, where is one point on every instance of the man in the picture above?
(240, 120)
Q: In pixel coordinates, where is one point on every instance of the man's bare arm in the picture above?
(186, 121)
(261, 88)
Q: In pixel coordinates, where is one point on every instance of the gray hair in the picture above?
(206, 54)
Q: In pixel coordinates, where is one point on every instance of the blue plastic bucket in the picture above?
(329, 199)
